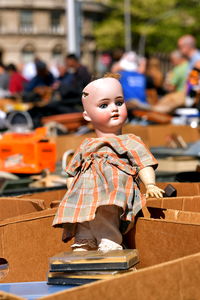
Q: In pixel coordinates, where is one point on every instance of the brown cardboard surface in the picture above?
(11, 207)
(27, 242)
(183, 188)
(140, 131)
(163, 240)
(187, 203)
(174, 215)
(157, 135)
(178, 279)
(8, 296)
(149, 135)
(48, 196)
(68, 142)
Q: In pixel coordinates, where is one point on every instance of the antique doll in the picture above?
(105, 172)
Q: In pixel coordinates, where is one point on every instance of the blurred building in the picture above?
(30, 28)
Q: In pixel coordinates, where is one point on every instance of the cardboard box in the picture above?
(177, 279)
(47, 197)
(149, 135)
(166, 281)
(159, 241)
(187, 203)
(11, 207)
(158, 135)
(68, 142)
(29, 240)
(173, 214)
(183, 189)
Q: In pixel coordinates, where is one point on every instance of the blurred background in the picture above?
(39, 28)
(50, 50)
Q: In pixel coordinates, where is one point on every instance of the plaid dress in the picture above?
(105, 172)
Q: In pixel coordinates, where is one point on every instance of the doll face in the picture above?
(104, 105)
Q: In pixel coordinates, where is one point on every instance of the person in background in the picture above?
(4, 78)
(73, 81)
(187, 47)
(176, 78)
(167, 104)
(81, 73)
(133, 82)
(29, 70)
(43, 77)
(116, 56)
(153, 71)
(4, 82)
(138, 88)
(16, 81)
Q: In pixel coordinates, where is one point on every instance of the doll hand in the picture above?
(154, 191)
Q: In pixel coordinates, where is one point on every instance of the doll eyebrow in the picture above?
(119, 97)
(107, 99)
(85, 94)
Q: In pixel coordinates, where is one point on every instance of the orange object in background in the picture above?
(27, 153)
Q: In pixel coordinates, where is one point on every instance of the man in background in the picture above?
(176, 78)
(188, 48)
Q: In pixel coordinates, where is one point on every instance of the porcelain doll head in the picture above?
(104, 105)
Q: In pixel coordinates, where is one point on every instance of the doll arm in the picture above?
(147, 175)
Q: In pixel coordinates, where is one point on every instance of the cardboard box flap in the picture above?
(180, 203)
(29, 217)
(174, 215)
(183, 188)
(11, 207)
(162, 240)
(27, 242)
(8, 296)
(164, 131)
(48, 197)
(177, 279)
(34, 240)
(164, 281)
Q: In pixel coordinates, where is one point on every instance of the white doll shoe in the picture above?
(108, 245)
(84, 245)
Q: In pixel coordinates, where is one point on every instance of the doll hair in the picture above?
(112, 75)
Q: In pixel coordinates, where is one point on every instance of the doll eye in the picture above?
(119, 103)
(104, 105)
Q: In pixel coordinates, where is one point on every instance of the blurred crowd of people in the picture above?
(146, 86)
(58, 89)
(53, 90)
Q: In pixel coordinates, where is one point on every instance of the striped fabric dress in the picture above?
(105, 172)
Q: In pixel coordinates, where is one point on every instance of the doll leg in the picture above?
(105, 228)
(84, 240)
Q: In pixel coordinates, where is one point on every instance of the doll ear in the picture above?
(86, 117)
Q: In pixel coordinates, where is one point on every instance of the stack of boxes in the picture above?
(80, 267)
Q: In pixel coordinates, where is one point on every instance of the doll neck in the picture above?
(100, 133)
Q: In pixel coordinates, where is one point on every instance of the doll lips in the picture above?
(116, 116)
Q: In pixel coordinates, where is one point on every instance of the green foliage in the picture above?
(162, 22)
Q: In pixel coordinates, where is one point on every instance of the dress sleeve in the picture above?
(139, 155)
(74, 165)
